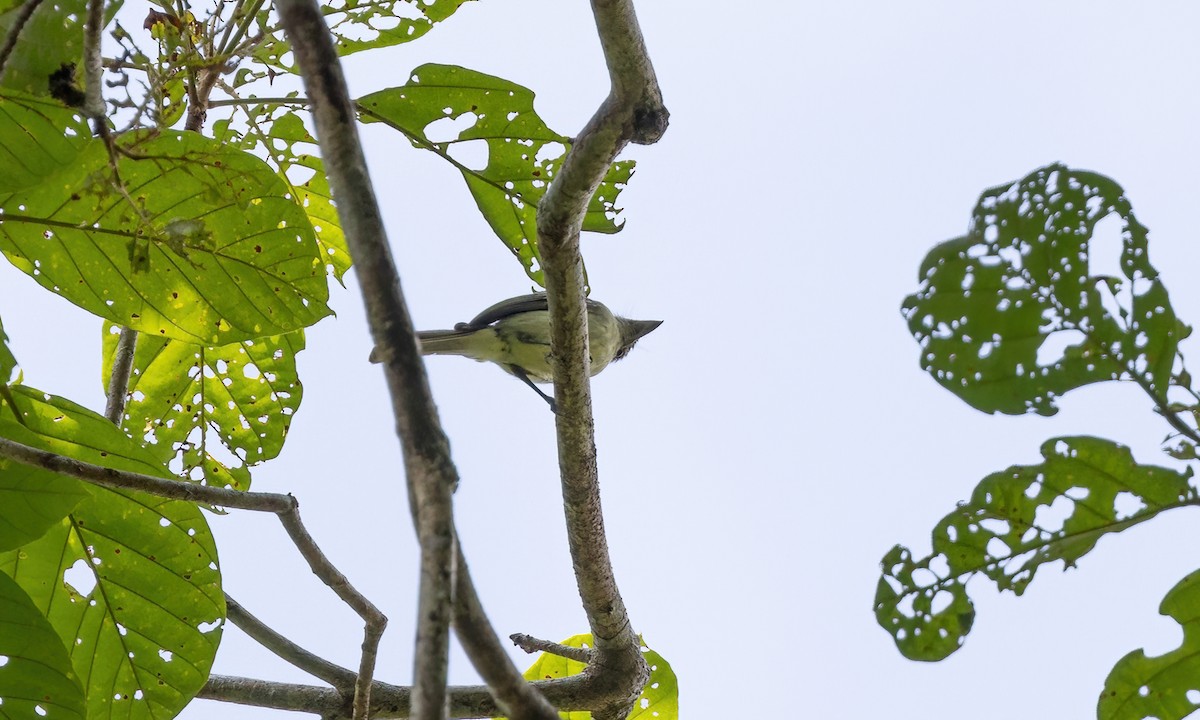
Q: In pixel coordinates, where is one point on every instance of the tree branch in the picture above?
(118, 382)
(374, 620)
(515, 697)
(318, 667)
(633, 111)
(531, 644)
(431, 474)
(93, 68)
(387, 701)
(124, 480)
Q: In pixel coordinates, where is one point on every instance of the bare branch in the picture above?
(318, 667)
(124, 480)
(387, 701)
(515, 696)
(431, 474)
(93, 68)
(14, 31)
(118, 382)
(633, 111)
(374, 620)
(531, 645)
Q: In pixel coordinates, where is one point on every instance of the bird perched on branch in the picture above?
(515, 334)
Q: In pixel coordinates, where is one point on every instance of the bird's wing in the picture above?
(508, 308)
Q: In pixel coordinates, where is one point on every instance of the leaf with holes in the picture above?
(36, 677)
(305, 175)
(359, 25)
(1016, 521)
(1013, 315)
(659, 699)
(186, 400)
(129, 581)
(38, 137)
(196, 242)
(523, 154)
(1162, 687)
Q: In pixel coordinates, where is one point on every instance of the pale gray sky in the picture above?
(763, 449)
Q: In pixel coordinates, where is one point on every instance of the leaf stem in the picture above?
(14, 32)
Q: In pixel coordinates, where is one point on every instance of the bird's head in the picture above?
(631, 332)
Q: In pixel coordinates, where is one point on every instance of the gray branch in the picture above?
(430, 472)
(118, 382)
(531, 644)
(124, 480)
(387, 701)
(314, 665)
(632, 112)
(93, 68)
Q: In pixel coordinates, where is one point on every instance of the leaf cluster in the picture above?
(218, 250)
(1010, 317)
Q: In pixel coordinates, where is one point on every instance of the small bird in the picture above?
(515, 334)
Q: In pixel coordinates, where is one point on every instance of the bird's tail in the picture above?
(476, 343)
(454, 342)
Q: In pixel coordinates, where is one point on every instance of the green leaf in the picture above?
(1143, 687)
(184, 399)
(8, 362)
(53, 37)
(523, 154)
(37, 138)
(659, 699)
(1011, 316)
(1016, 521)
(359, 25)
(305, 175)
(37, 679)
(197, 242)
(129, 581)
(32, 500)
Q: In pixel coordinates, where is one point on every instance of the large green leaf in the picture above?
(197, 242)
(37, 137)
(1159, 687)
(1012, 315)
(53, 37)
(305, 175)
(363, 25)
(184, 399)
(129, 581)
(1016, 521)
(660, 697)
(36, 678)
(523, 154)
(31, 500)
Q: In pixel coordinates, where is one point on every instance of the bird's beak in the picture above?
(640, 328)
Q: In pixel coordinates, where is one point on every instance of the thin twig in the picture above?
(531, 644)
(314, 665)
(374, 620)
(118, 382)
(430, 472)
(14, 32)
(125, 480)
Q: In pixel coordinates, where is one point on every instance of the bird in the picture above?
(515, 334)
